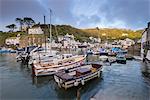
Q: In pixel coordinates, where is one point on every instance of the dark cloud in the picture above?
(135, 13)
(62, 10)
(11, 9)
(80, 13)
(14, 8)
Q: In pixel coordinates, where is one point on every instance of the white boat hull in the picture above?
(52, 70)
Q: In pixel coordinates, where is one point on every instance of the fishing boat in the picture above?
(96, 53)
(103, 51)
(42, 55)
(112, 59)
(103, 58)
(70, 78)
(112, 54)
(7, 50)
(23, 54)
(89, 52)
(57, 63)
(120, 58)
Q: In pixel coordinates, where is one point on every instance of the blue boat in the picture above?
(4, 51)
(7, 51)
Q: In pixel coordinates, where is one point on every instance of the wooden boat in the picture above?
(42, 55)
(120, 58)
(23, 54)
(103, 58)
(112, 59)
(54, 65)
(70, 78)
(103, 51)
(96, 53)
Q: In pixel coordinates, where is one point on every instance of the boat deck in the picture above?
(52, 65)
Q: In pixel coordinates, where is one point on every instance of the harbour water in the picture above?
(119, 82)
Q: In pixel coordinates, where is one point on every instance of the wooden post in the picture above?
(78, 94)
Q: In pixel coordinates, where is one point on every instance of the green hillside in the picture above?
(84, 34)
(114, 33)
(80, 34)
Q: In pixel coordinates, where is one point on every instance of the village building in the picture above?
(60, 38)
(95, 40)
(68, 41)
(35, 30)
(145, 49)
(30, 41)
(38, 29)
(126, 42)
(12, 40)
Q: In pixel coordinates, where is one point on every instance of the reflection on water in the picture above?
(120, 82)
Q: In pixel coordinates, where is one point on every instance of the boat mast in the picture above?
(45, 33)
(50, 35)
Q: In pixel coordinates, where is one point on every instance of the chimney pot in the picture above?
(149, 25)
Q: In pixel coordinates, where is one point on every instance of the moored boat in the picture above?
(112, 54)
(103, 51)
(120, 58)
(90, 51)
(55, 64)
(103, 58)
(7, 50)
(67, 79)
(43, 55)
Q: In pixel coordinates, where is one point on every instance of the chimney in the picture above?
(44, 20)
(148, 25)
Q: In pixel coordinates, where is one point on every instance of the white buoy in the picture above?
(56, 79)
(82, 82)
(76, 83)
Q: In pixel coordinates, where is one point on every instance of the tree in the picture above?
(21, 22)
(11, 27)
(29, 22)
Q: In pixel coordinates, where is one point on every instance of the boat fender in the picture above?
(82, 81)
(76, 83)
(61, 81)
(56, 79)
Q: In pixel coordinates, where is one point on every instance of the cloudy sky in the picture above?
(131, 14)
